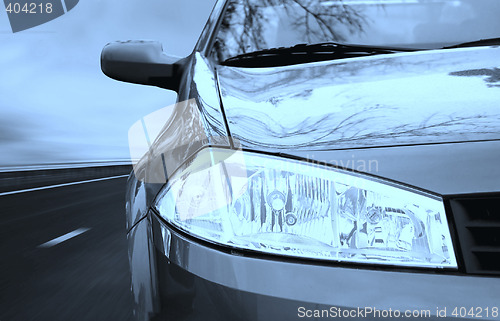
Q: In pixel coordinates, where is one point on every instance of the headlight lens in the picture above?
(286, 207)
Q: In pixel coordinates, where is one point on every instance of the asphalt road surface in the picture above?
(64, 254)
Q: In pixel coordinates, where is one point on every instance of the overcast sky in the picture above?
(57, 106)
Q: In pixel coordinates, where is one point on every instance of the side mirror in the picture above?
(142, 62)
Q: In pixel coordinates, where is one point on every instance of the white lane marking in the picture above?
(64, 237)
(61, 185)
(32, 167)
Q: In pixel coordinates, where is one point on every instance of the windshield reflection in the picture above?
(253, 25)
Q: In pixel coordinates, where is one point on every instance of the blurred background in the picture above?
(64, 145)
(56, 105)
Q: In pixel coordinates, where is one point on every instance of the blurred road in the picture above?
(85, 277)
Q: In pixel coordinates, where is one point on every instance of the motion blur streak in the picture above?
(83, 278)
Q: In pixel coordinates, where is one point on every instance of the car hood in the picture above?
(430, 119)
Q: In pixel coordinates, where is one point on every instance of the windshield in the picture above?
(254, 25)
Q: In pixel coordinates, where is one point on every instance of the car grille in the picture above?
(478, 226)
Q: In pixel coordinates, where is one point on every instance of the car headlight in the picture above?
(281, 206)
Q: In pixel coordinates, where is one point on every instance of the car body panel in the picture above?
(193, 123)
(197, 281)
(385, 100)
(136, 203)
(144, 284)
(445, 169)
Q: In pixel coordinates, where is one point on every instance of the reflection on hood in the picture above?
(408, 98)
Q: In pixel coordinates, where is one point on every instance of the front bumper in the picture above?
(194, 281)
